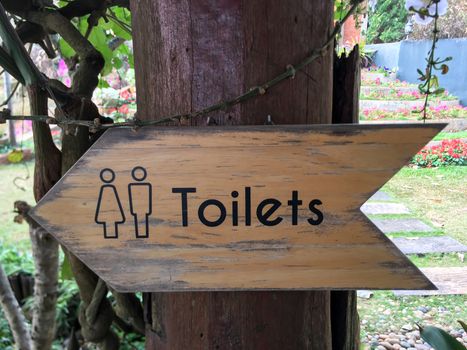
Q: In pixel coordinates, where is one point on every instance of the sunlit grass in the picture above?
(10, 192)
(436, 195)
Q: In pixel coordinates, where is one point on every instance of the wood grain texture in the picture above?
(341, 165)
(248, 321)
(265, 320)
(205, 51)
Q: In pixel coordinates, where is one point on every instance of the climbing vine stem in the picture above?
(429, 81)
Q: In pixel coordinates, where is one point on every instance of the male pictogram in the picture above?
(140, 198)
(109, 211)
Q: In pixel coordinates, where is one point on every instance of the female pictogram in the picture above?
(140, 197)
(109, 211)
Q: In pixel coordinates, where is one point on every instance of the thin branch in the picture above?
(12, 93)
(14, 314)
(45, 253)
(430, 63)
(121, 24)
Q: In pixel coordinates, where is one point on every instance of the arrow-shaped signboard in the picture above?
(266, 207)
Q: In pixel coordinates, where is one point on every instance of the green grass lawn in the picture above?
(11, 232)
(451, 135)
(439, 260)
(436, 195)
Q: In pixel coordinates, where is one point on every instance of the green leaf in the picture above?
(99, 40)
(434, 83)
(125, 51)
(463, 325)
(117, 62)
(66, 50)
(439, 339)
(103, 83)
(123, 15)
(15, 156)
(82, 24)
(65, 270)
(439, 91)
(119, 31)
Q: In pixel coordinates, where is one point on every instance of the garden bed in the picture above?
(402, 94)
(392, 83)
(396, 105)
(381, 77)
(387, 90)
(439, 112)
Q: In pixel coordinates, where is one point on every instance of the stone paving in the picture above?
(380, 196)
(402, 225)
(371, 208)
(449, 280)
(427, 245)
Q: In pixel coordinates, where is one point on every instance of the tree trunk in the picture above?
(346, 90)
(191, 54)
(44, 246)
(14, 314)
(45, 252)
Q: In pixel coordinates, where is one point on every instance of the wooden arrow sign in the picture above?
(235, 208)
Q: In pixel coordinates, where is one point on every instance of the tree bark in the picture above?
(195, 53)
(346, 88)
(14, 314)
(346, 91)
(190, 54)
(44, 246)
(45, 252)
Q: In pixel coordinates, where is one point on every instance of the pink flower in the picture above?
(62, 69)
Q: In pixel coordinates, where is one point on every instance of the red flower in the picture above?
(123, 109)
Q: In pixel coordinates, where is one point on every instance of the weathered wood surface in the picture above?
(344, 316)
(340, 165)
(203, 52)
(248, 322)
(247, 42)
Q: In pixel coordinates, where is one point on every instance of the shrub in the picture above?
(386, 21)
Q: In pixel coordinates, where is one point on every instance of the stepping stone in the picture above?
(425, 245)
(401, 225)
(381, 196)
(448, 280)
(384, 208)
(365, 294)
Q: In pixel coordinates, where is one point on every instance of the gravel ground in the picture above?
(406, 338)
